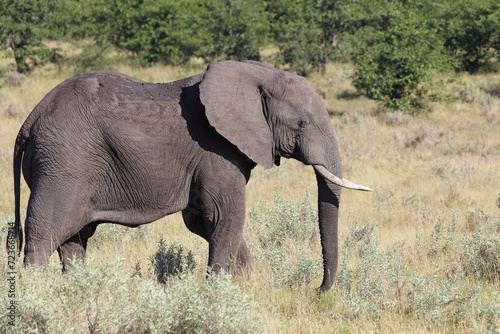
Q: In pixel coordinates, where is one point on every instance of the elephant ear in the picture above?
(232, 95)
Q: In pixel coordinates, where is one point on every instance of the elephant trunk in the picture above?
(330, 181)
(328, 214)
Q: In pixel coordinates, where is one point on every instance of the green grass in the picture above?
(419, 254)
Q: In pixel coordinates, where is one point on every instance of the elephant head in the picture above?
(268, 114)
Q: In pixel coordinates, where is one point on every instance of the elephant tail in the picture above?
(22, 140)
(17, 232)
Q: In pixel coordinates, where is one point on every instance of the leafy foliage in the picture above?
(231, 29)
(395, 53)
(470, 29)
(170, 261)
(400, 48)
(304, 32)
(156, 31)
(173, 32)
(22, 30)
(214, 306)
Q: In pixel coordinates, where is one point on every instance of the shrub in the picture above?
(397, 118)
(170, 261)
(395, 53)
(481, 250)
(14, 110)
(22, 26)
(216, 306)
(470, 31)
(232, 29)
(442, 238)
(105, 299)
(373, 281)
(284, 237)
(173, 32)
(93, 57)
(304, 32)
(13, 78)
(156, 31)
(85, 300)
(288, 220)
(289, 269)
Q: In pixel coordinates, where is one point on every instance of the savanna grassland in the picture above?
(421, 253)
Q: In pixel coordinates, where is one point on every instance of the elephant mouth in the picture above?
(327, 175)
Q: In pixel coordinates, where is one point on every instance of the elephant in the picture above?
(103, 147)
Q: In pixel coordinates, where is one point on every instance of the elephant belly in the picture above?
(131, 199)
(130, 217)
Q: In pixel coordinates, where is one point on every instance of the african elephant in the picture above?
(103, 147)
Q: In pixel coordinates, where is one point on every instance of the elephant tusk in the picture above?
(338, 181)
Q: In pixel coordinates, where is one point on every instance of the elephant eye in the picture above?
(303, 123)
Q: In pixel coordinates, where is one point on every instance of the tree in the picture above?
(305, 32)
(156, 31)
(471, 31)
(173, 32)
(232, 29)
(22, 25)
(394, 51)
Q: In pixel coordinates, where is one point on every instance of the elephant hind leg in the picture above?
(56, 212)
(39, 245)
(75, 247)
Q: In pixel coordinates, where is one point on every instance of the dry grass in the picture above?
(440, 165)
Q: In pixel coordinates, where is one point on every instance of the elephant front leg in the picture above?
(75, 247)
(224, 249)
(72, 249)
(223, 218)
(239, 264)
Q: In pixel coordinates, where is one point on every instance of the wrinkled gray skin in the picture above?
(103, 147)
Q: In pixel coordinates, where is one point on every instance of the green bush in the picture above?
(395, 53)
(231, 29)
(22, 29)
(157, 31)
(216, 306)
(288, 221)
(173, 32)
(87, 299)
(304, 32)
(370, 279)
(442, 239)
(93, 57)
(170, 261)
(470, 29)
